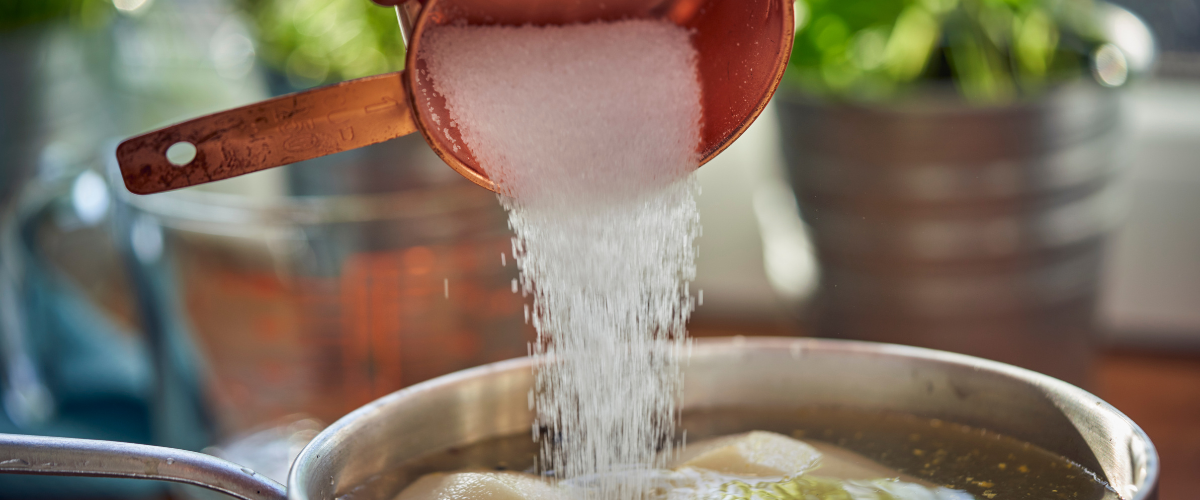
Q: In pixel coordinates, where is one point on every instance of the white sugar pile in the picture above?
(590, 132)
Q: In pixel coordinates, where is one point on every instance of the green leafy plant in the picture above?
(15, 14)
(992, 51)
(321, 41)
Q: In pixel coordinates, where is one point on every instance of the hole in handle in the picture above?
(181, 153)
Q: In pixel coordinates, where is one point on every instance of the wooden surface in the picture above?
(1161, 392)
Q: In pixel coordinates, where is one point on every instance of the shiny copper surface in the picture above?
(270, 133)
(743, 50)
(743, 46)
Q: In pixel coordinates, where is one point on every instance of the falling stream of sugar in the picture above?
(590, 132)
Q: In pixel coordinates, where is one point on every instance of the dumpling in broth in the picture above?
(768, 454)
(757, 453)
(480, 486)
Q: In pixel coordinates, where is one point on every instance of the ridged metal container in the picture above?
(21, 129)
(971, 229)
(335, 291)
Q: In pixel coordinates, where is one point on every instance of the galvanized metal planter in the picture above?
(976, 230)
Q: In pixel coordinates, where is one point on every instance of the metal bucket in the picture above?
(358, 453)
(21, 130)
(942, 225)
(337, 290)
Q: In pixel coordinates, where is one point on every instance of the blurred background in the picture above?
(1012, 179)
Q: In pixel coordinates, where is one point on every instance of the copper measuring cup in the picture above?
(743, 48)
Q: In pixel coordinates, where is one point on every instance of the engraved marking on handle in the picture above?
(271, 133)
(387, 104)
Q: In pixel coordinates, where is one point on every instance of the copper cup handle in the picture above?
(267, 134)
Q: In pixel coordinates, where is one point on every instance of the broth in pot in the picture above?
(801, 454)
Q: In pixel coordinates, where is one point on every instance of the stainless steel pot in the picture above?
(490, 401)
